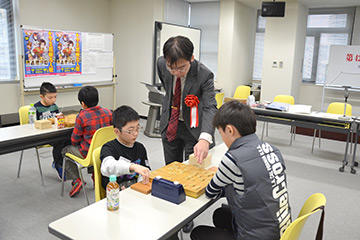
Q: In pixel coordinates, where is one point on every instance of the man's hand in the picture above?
(143, 171)
(201, 150)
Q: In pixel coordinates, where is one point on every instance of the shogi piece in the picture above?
(143, 188)
(194, 179)
(70, 120)
(42, 124)
(205, 164)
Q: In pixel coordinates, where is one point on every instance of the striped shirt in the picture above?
(228, 173)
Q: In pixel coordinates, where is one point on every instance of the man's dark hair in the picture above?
(176, 48)
(237, 114)
(122, 115)
(89, 95)
(47, 87)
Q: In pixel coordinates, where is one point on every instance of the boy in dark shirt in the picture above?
(46, 108)
(124, 156)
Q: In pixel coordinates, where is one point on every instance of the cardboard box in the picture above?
(242, 100)
(42, 124)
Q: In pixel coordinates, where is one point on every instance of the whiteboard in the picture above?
(164, 31)
(97, 58)
(170, 30)
(344, 66)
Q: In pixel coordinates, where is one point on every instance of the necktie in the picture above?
(175, 111)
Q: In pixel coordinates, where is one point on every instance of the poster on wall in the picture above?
(68, 52)
(39, 53)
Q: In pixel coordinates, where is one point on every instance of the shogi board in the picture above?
(194, 179)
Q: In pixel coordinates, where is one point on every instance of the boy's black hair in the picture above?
(176, 48)
(122, 115)
(47, 87)
(89, 95)
(237, 114)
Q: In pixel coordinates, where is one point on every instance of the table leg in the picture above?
(353, 171)
(345, 162)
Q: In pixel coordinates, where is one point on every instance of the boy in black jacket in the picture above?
(124, 156)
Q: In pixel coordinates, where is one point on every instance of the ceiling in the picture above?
(308, 3)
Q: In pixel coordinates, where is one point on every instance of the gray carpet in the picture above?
(27, 207)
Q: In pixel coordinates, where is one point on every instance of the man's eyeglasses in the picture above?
(179, 69)
(131, 131)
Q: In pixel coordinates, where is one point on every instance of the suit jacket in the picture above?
(199, 82)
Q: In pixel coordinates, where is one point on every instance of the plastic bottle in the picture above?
(112, 194)
(32, 114)
(251, 100)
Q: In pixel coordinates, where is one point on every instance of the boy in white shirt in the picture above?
(124, 156)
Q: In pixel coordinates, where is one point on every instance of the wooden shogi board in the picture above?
(194, 179)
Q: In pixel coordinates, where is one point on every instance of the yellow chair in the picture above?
(313, 204)
(99, 190)
(100, 137)
(335, 108)
(219, 99)
(24, 119)
(242, 92)
(284, 99)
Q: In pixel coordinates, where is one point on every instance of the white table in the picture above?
(140, 216)
(21, 137)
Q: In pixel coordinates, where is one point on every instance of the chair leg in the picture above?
(20, 162)
(83, 182)
(62, 176)
(39, 164)
(351, 141)
(319, 138)
(181, 235)
(262, 132)
(291, 134)
(312, 148)
(294, 132)
(267, 129)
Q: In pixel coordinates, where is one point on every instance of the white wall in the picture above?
(133, 25)
(132, 22)
(80, 15)
(284, 41)
(237, 26)
(176, 12)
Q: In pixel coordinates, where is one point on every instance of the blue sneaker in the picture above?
(59, 171)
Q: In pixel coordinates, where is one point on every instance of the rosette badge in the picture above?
(192, 102)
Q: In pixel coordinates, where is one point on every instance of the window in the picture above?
(259, 47)
(205, 15)
(325, 27)
(8, 66)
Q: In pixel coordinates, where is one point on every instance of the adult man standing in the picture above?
(189, 104)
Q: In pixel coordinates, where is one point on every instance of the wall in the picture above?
(237, 26)
(77, 15)
(284, 41)
(176, 12)
(133, 26)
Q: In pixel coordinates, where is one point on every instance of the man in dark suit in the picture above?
(185, 128)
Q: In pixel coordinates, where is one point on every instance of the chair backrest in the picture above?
(313, 204)
(338, 108)
(284, 99)
(24, 114)
(100, 137)
(242, 92)
(99, 190)
(219, 99)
